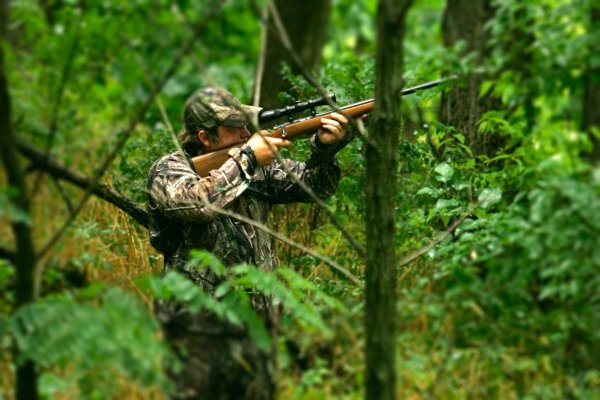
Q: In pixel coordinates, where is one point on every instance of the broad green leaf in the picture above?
(489, 197)
(445, 203)
(433, 192)
(444, 172)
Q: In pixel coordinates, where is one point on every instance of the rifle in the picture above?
(297, 127)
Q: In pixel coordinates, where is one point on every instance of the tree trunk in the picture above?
(306, 23)
(591, 99)
(380, 195)
(24, 258)
(517, 50)
(462, 107)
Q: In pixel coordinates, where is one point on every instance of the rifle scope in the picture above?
(271, 115)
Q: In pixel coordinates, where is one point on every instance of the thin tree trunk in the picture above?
(306, 23)
(522, 61)
(24, 259)
(462, 107)
(591, 99)
(380, 195)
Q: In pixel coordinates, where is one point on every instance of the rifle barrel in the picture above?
(414, 89)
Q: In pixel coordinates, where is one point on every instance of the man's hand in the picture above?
(334, 128)
(265, 147)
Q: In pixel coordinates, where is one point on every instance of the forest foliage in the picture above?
(506, 306)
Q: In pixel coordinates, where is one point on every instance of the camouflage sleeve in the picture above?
(321, 172)
(180, 193)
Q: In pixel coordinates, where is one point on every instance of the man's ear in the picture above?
(203, 136)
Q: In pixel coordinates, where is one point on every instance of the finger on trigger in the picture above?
(279, 142)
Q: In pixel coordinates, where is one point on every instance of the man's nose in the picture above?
(245, 133)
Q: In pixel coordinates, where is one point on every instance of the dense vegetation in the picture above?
(506, 306)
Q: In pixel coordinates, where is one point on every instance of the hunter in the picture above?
(218, 360)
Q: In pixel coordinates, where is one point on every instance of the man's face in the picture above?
(228, 136)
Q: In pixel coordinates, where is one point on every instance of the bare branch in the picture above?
(412, 257)
(192, 55)
(66, 72)
(283, 238)
(134, 121)
(338, 224)
(159, 104)
(261, 61)
(59, 171)
(63, 193)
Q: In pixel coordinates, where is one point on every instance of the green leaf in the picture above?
(443, 204)
(444, 172)
(485, 87)
(429, 191)
(200, 259)
(461, 185)
(489, 197)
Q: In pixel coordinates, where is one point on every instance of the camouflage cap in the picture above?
(210, 107)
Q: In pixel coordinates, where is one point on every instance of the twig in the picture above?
(60, 171)
(183, 21)
(338, 224)
(159, 104)
(200, 65)
(283, 238)
(62, 192)
(419, 253)
(58, 100)
(261, 61)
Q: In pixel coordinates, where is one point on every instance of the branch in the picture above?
(283, 238)
(129, 131)
(338, 224)
(51, 166)
(419, 253)
(62, 192)
(261, 62)
(66, 73)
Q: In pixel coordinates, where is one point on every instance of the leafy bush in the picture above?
(86, 340)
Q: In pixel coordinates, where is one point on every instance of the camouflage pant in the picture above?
(219, 361)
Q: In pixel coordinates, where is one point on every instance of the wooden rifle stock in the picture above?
(207, 162)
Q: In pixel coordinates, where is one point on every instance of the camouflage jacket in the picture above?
(180, 222)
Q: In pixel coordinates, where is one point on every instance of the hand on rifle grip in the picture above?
(265, 147)
(334, 128)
